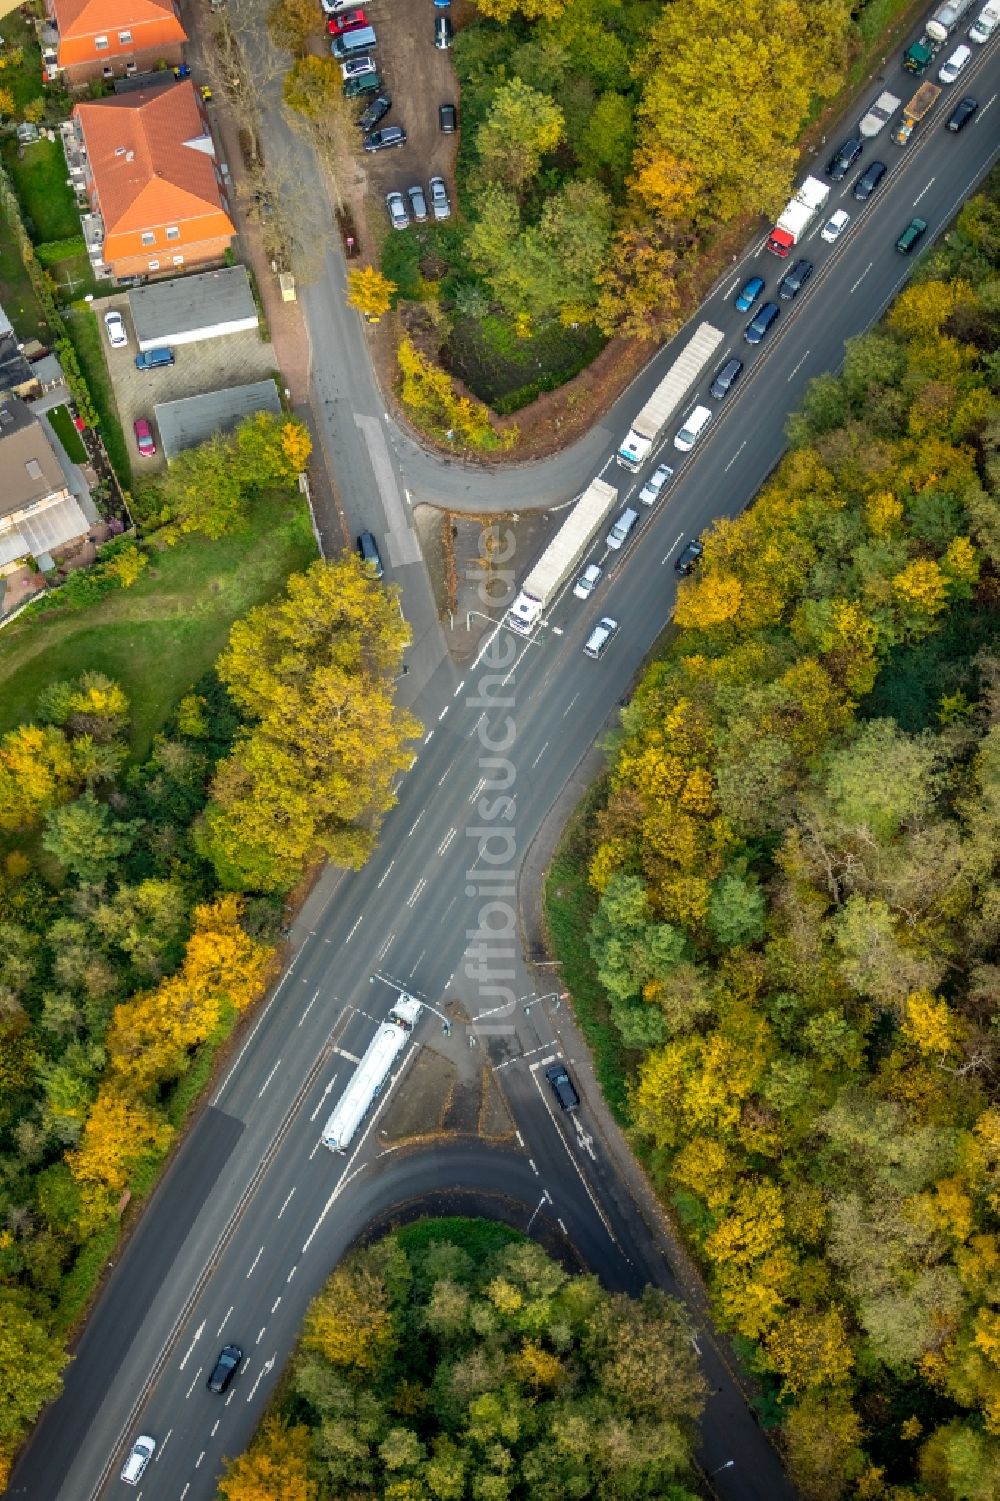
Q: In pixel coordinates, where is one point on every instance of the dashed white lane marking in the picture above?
(354, 930)
(446, 841)
(415, 893)
(385, 876)
(255, 1261)
(541, 753)
(268, 1079)
(570, 704)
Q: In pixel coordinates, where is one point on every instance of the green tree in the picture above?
(86, 838)
(31, 1364)
(521, 127)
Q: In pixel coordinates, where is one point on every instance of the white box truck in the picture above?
(561, 557)
(798, 214)
(667, 397)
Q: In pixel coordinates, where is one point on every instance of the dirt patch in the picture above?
(422, 1102)
(494, 1117)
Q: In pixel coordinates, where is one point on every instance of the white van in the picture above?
(985, 23)
(139, 1456)
(598, 640)
(950, 70)
(693, 428)
(621, 528)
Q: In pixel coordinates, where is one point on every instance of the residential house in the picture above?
(37, 510)
(16, 375)
(146, 164)
(113, 38)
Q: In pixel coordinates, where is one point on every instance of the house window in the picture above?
(125, 38)
(173, 233)
(148, 237)
(101, 43)
(154, 265)
(178, 260)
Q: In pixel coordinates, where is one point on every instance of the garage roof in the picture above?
(193, 307)
(188, 422)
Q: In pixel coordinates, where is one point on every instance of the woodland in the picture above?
(455, 1359)
(794, 916)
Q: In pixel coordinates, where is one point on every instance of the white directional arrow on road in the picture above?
(268, 1366)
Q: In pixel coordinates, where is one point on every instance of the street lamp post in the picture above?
(727, 1466)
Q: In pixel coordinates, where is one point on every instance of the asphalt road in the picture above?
(255, 1212)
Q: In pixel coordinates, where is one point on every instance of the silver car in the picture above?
(587, 582)
(651, 489)
(397, 210)
(417, 203)
(440, 203)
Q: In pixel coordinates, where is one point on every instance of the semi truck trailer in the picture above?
(370, 1074)
(650, 422)
(561, 557)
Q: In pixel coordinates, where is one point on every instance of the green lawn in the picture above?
(67, 433)
(24, 81)
(38, 173)
(17, 295)
(160, 636)
(86, 336)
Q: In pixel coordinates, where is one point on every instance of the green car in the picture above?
(914, 231)
(365, 83)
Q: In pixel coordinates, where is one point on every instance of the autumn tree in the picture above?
(522, 126)
(370, 292)
(276, 1468)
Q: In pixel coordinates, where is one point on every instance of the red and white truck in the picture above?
(798, 215)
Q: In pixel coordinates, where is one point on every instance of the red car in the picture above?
(348, 20)
(144, 440)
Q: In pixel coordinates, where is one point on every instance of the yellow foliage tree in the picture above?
(274, 1468)
(38, 771)
(531, 10)
(922, 587)
(929, 1024)
(350, 1323)
(370, 292)
(921, 309)
(427, 392)
(127, 565)
(810, 1349)
(119, 1131)
(708, 601)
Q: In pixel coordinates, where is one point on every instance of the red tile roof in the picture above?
(90, 17)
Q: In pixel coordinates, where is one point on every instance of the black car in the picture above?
(687, 558)
(562, 1086)
(869, 180)
(447, 119)
(376, 111)
(758, 326)
(794, 280)
(229, 1361)
(962, 113)
(380, 140)
(725, 379)
(841, 163)
(443, 31)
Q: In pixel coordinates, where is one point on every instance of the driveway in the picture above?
(206, 365)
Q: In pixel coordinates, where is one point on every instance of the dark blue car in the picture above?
(759, 325)
(748, 294)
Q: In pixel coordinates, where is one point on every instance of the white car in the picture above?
(331, 7)
(586, 583)
(139, 1456)
(396, 205)
(621, 528)
(835, 226)
(440, 204)
(601, 637)
(115, 325)
(357, 67)
(651, 489)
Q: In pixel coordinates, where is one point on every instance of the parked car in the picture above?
(962, 114)
(353, 43)
(687, 558)
(381, 140)
(115, 325)
(843, 160)
(374, 112)
(440, 203)
(443, 31)
(140, 1454)
(914, 231)
(758, 327)
(228, 1363)
(600, 637)
(869, 180)
(562, 1086)
(794, 280)
(369, 553)
(154, 359)
(397, 210)
(587, 582)
(357, 67)
(332, 7)
(835, 226)
(346, 20)
(651, 489)
(748, 294)
(725, 378)
(418, 202)
(144, 440)
(447, 119)
(368, 82)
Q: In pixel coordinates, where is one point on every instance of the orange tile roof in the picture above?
(151, 164)
(93, 17)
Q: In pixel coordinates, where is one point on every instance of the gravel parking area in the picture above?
(207, 365)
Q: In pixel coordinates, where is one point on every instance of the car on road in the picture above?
(369, 553)
(835, 226)
(374, 112)
(447, 119)
(139, 1456)
(869, 180)
(381, 140)
(368, 82)
(694, 425)
(418, 203)
(687, 558)
(914, 231)
(144, 440)
(229, 1361)
(758, 326)
(601, 637)
(154, 359)
(621, 528)
(843, 160)
(962, 113)
(794, 280)
(748, 294)
(725, 378)
(950, 70)
(358, 67)
(443, 31)
(396, 205)
(440, 202)
(346, 20)
(562, 1086)
(588, 580)
(651, 489)
(115, 325)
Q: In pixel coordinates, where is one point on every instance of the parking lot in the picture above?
(206, 365)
